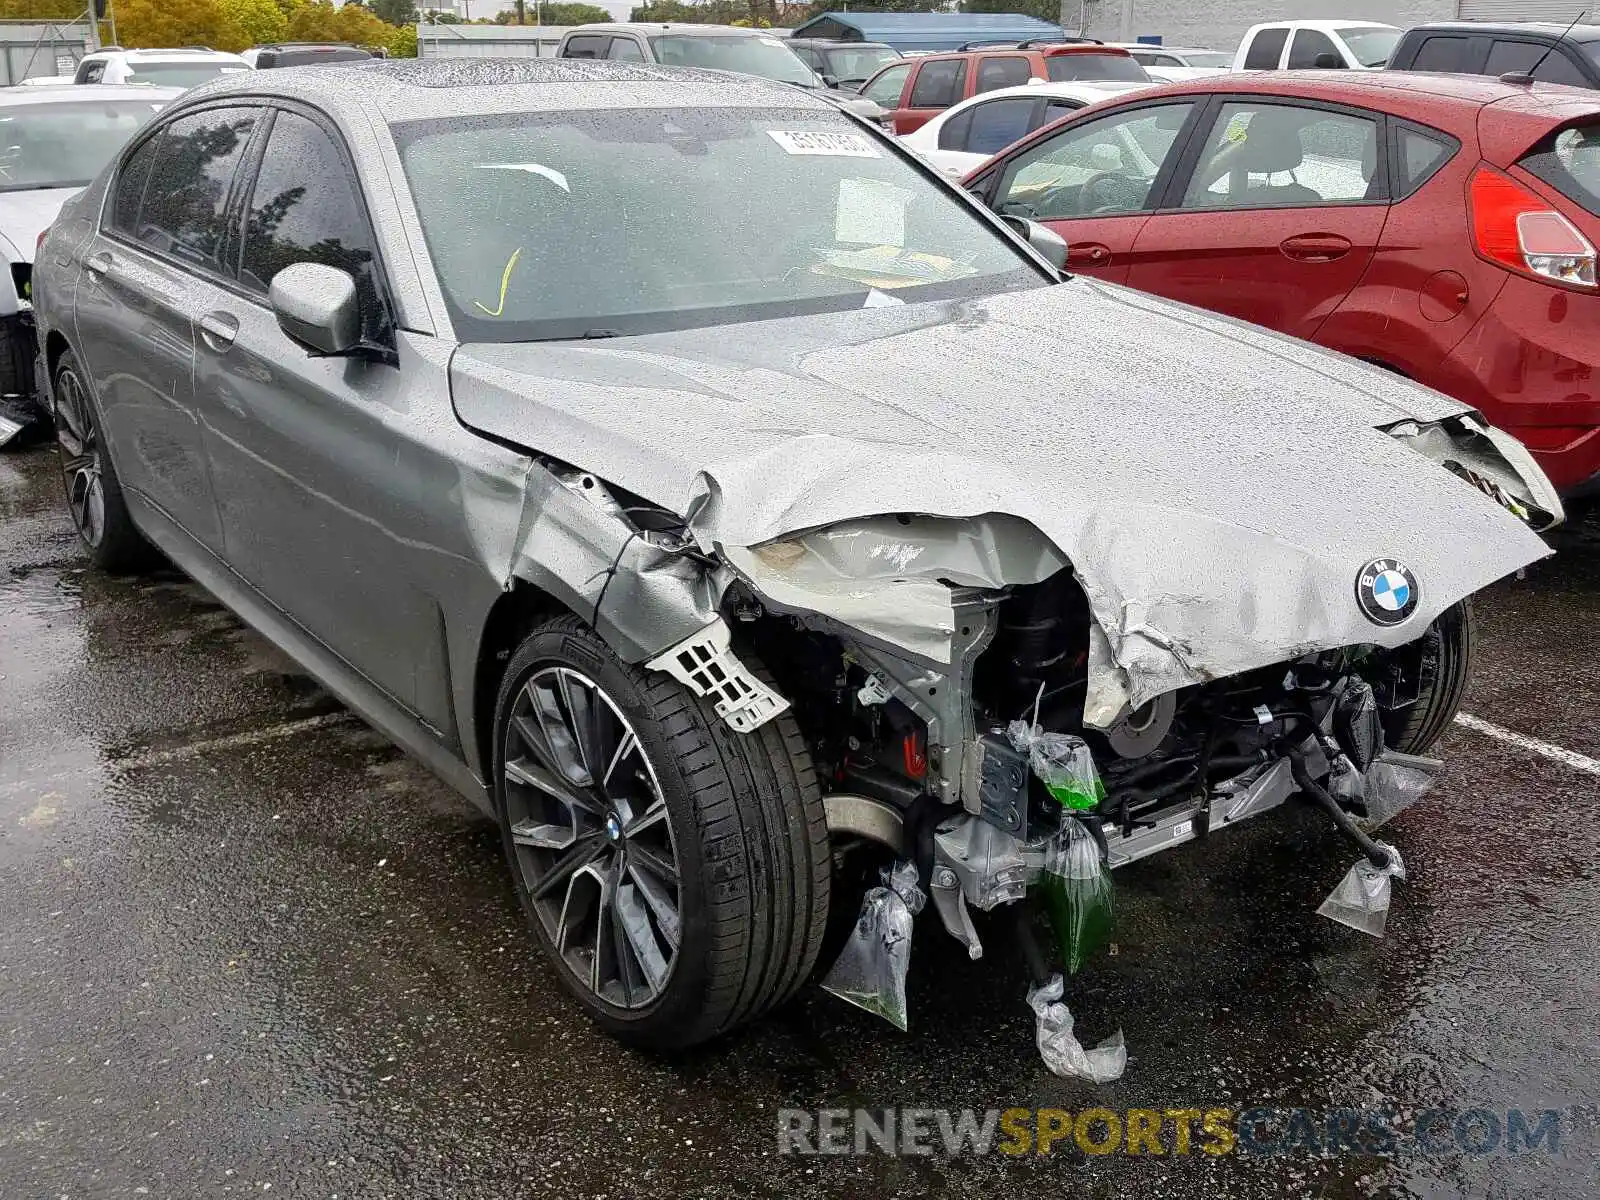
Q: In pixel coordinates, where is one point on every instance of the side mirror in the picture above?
(1326, 62)
(316, 307)
(830, 81)
(1045, 241)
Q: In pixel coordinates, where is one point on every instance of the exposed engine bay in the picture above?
(1172, 770)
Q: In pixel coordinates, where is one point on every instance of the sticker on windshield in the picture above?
(810, 141)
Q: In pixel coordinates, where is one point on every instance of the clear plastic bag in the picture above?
(1061, 1051)
(870, 971)
(1394, 783)
(1076, 886)
(1062, 762)
(1361, 900)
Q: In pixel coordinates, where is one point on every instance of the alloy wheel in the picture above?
(78, 436)
(592, 838)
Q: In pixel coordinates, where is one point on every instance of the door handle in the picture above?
(1088, 254)
(219, 329)
(99, 262)
(1315, 247)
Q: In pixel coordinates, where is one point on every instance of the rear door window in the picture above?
(585, 45)
(1420, 156)
(1307, 45)
(1003, 70)
(625, 49)
(1443, 54)
(1281, 155)
(128, 192)
(1569, 161)
(999, 123)
(1522, 57)
(1266, 51)
(184, 213)
(939, 83)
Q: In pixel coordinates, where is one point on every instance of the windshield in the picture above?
(1064, 67)
(764, 56)
(179, 74)
(65, 145)
(1371, 44)
(857, 64)
(1207, 58)
(586, 224)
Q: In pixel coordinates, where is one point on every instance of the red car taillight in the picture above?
(38, 245)
(1516, 228)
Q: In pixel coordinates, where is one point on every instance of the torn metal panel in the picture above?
(1488, 459)
(891, 577)
(642, 592)
(1218, 504)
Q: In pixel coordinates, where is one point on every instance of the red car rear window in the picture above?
(1064, 67)
(1569, 161)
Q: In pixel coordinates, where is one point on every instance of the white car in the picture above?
(1310, 45)
(969, 134)
(165, 68)
(53, 142)
(1178, 64)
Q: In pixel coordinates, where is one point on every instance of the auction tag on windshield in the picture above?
(810, 141)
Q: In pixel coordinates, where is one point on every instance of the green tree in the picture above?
(404, 42)
(249, 23)
(396, 12)
(170, 23)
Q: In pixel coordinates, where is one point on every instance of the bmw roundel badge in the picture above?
(1387, 591)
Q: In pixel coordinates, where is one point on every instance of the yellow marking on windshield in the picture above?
(505, 282)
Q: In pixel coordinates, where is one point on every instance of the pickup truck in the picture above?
(1302, 45)
(1541, 51)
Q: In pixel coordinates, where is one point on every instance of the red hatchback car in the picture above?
(1441, 226)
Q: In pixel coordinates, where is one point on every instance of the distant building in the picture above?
(1220, 24)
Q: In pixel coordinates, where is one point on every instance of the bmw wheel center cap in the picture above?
(1387, 591)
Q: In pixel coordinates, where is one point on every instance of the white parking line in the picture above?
(1570, 758)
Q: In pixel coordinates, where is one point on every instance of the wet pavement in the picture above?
(247, 947)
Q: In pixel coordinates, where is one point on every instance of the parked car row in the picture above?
(1443, 227)
(754, 555)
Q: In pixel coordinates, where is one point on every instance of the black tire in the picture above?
(106, 530)
(747, 829)
(1446, 664)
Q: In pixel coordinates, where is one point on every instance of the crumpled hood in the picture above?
(1217, 487)
(25, 215)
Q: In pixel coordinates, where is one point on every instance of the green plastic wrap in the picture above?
(1076, 887)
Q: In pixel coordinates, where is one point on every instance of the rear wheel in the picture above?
(94, 496)
(675, 872)
(1444, 665)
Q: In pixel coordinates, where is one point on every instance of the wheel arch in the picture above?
(55, 345)
(515, 614)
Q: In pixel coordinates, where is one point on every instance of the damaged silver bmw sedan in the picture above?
(713, 494)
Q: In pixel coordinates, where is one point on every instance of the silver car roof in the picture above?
(398, 90)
